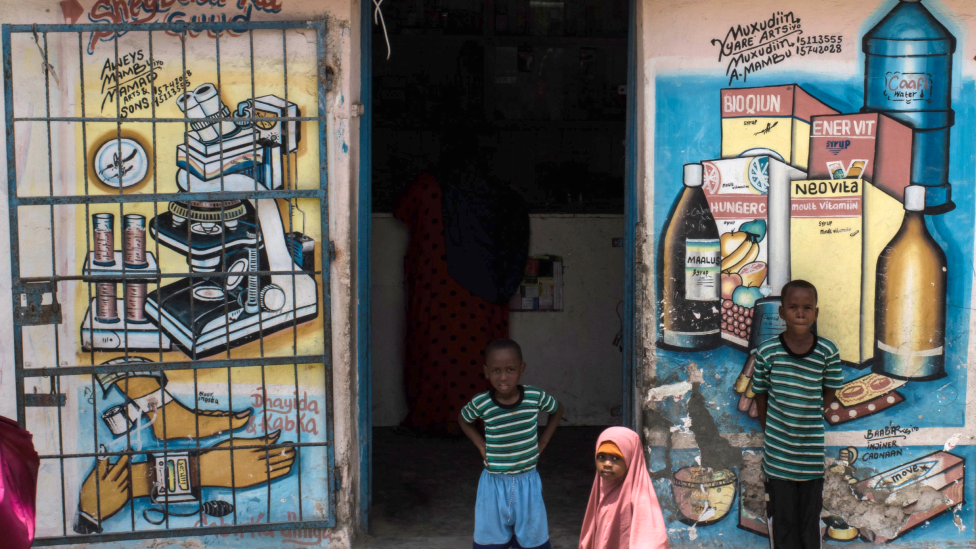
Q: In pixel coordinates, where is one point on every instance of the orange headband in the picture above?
(609, 447)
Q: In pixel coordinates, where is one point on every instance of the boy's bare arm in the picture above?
(474, 435)
(829, 396)
(550, 427)
(761, 399)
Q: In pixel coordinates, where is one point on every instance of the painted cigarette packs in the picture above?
(869, 146)
(845, 223)
(773, 118)
(746, 196)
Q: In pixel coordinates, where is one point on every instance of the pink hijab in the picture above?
(624, 515)
(18, 484)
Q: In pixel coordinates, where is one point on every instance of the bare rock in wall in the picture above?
(751, 482)
(885, 514)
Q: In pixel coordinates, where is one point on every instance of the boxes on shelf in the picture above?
(542, 285)
(750, 201)
(838, 228)
(773, 118)
(870, 146)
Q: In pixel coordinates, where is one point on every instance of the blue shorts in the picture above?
(510, 512)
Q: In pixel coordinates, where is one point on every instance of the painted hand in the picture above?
(181, 421)
(251, 466)
(112, 487)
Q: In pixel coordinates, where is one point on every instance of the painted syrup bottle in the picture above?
(910, 299)
(692, 259)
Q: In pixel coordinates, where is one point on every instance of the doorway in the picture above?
(540, 90)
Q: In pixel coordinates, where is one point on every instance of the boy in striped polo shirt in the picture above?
(509, 511)
(796, 376)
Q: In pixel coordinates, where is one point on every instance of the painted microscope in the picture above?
(205, 315)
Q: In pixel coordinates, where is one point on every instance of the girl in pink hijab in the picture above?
(18, 484)
(623, 512)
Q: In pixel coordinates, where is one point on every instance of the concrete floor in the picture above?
(424, 489)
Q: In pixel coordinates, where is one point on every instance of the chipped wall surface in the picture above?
(275, 403)
(802, 139)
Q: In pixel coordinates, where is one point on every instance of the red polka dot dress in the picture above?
(448, 327)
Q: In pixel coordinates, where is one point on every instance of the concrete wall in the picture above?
(915, 436)
(568, 353)
(214, 388)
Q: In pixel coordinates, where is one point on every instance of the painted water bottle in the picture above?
(908, 76)
(692, 259)
(910, 299)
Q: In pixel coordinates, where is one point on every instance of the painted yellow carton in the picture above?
(838, 228)
(770, 120)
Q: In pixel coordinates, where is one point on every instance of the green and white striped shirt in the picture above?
(794, 448)
(511, 430)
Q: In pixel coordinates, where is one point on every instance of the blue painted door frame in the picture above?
(364, 399)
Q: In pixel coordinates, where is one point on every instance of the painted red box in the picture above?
(942, 471)
(883, 142)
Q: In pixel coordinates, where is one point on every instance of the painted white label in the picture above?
(703, 260)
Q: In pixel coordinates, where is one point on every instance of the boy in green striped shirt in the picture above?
(796, 377)
(509, 511)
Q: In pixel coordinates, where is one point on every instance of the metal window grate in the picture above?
(199, 401)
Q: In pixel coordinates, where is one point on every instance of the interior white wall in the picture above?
(568, 353)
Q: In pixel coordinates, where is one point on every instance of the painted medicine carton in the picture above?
(772, 119)
(847, 222)
(869, 146)
(750, 200)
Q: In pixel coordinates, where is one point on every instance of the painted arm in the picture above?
(550, 427)
(474, 435)
(761, 399)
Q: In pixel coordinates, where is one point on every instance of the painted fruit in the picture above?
(752, 274)
(756, 228)
(739, 256)
(748, 258)
(729, 283)
(745, 296)
(731, 242)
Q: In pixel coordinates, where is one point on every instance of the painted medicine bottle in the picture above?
(910, 299)
(691, 271)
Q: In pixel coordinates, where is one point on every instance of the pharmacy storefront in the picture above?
(190, 292)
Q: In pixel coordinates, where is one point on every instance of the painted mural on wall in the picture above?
(187, 280)
(861, 186)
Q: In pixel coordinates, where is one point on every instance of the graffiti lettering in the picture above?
(130, 81)
(197, 11)
(824, 187)
(891, 431)
(740, 38)
(209, 398)
(752, 104)
(869, 456)
(285, 405)
(757, 45)
(281, 414)
(842, 127)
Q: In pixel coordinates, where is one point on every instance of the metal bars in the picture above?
(239, 281)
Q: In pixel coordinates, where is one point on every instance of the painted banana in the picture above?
(749, 258)
(731, 242)
(741, 253)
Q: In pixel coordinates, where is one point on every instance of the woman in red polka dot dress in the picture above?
(448, 327)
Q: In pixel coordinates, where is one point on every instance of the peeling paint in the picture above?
(674, 390)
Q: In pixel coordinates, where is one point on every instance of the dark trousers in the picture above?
(793, 513)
